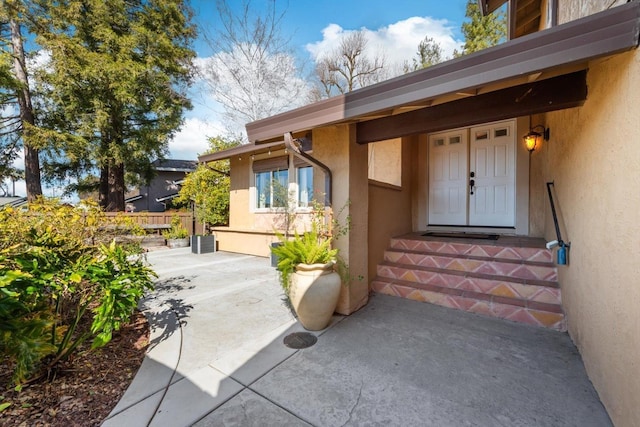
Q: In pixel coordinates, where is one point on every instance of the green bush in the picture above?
(58, 288)
(177, 231)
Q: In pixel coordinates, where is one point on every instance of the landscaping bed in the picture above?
(85, 390)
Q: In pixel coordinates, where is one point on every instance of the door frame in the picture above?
(521, 228)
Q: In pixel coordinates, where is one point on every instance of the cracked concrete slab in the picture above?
(395, 362)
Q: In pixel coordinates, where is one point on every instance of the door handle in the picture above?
(472, 182)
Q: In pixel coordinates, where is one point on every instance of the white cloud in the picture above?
(398, 42)
(191, 140)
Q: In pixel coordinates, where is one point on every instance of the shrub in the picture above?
(54, 279)
(177, 231)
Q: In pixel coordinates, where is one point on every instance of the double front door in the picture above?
(472, 176)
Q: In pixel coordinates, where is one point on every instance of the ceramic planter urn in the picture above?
(314, 293)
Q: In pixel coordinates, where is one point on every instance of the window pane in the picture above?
(263, 190)
(305, 186)
(281, 193)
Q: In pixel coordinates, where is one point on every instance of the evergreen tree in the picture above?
(481, 32)
(115, 86)
(429, 53)
(14, 83)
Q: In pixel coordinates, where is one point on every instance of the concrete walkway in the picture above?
(217, 358)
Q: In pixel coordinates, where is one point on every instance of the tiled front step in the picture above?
(529, 312)
(521, 269)
(501, 286)
(474, 249)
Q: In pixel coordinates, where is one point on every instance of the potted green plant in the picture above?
(306, 263)
(285, 215)
(177, 236)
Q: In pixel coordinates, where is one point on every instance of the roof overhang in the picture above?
(488, 6)
(556, 51)
(240, 150)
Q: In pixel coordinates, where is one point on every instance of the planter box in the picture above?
(274, 258)
(203, 244)
(178, 243)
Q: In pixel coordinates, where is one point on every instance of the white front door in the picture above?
(472, 176)
(448, 176)
(492, 167)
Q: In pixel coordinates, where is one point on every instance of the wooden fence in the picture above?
(158, 221)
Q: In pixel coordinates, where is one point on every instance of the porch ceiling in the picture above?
(565, 91)
(534, 57)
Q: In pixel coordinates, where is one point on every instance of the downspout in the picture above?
(294, 146)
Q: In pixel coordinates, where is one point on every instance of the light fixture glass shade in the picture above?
(531, 140)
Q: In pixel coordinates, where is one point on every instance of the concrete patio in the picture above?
(217, 358)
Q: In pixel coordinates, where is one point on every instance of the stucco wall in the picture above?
(390, 208)
(594, 158)
(569, 10)
(252, 232)
(335, 146)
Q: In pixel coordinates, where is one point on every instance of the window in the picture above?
(271, 188)
(305, 186)
(272, 182)
(276, 188)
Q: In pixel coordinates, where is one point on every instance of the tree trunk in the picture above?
(103, 188)
(31, 159)
(116, 188)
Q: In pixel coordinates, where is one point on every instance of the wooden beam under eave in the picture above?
(522, 23)
(557, 93)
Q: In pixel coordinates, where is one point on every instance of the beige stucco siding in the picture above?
(594, 158)
(335, 146)
(390, 208)
(570, 10)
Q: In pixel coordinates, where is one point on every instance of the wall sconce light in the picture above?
(531, 138)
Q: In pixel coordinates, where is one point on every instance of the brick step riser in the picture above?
(490, 267)
(504, 252)
(502, 288)
(525, 315)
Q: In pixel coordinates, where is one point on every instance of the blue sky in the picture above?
(394, 27)
(305, 19)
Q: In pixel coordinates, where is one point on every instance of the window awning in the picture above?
(549, 53)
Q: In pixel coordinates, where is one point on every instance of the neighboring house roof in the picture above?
(172, 165)
(545, 54)
(133, 198)
(165, 198)
(13, 202)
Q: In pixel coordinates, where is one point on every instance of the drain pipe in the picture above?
(294, 146)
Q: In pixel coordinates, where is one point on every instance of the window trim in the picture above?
(275, 158)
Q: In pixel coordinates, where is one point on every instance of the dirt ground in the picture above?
(85, 391)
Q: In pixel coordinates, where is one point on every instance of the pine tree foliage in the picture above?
(429, 53)
(114, 87)
(481, 32)
(18, 116)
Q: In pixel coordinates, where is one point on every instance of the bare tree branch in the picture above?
(349, 67)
